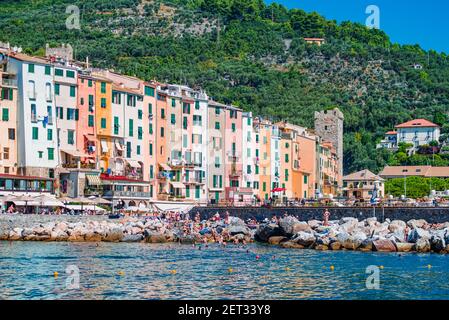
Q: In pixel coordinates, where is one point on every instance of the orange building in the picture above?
(103, 120)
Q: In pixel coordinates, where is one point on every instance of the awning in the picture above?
(278, 190)
(164, 166)
(216, 189)
(104, 146)
(133, 163)
(90, 138)
(75, 153)
(177, 185)
(118, 146)
(93, 180)
(84, 207)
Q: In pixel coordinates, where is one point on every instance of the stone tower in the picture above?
(329, 126)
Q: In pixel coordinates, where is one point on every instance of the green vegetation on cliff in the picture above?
(252, 55)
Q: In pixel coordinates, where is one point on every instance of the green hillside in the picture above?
(254, 56)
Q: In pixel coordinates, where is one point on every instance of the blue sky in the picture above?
(406, 22)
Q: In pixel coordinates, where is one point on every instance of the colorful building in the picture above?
(8, 121)
(216, 151)
(36, 135)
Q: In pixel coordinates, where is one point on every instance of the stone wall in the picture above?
(28, 220)
(431, 215)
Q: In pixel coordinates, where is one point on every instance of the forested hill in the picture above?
(254, 56)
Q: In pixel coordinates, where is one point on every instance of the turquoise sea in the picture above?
(172, 271)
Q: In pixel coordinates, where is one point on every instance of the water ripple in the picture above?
(144, 271)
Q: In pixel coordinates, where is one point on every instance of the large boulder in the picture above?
(59, 235)
(366, 245)
(422, 245)
(238, 229)
(335, 245)
(384, 246)
(405, 246)
(15, 234)
(154, 237)
(277, 240)
(287, 224)
(132, 238)
(92, 237)
(313, 224)
(304, 238)
(416, 223)
(291, 245)
(417, 234)
(266, 231)
(397, 225)
(114, 235)
(353, 242)
(350, 226)
(437, 243)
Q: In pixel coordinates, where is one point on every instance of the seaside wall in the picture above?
(431, 215)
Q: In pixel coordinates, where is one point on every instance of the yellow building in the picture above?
(103, 116)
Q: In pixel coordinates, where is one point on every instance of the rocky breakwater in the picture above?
(130, 230)
(352, 234)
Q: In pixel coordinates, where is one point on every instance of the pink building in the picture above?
(235, 192)
(85, 130)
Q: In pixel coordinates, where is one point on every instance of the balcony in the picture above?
(126, 194)
(233, 156)
(235, 173)
(8, 83)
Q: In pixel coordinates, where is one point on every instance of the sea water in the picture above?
(39, 270)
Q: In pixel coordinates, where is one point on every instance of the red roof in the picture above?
(417, 123)
(391, 132)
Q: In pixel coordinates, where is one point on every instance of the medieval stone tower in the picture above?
(329, 126)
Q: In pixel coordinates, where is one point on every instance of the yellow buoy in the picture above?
(173, 271)
(381, 267)
(287, 269)
(332, 268)
(121, 273)
(230, 270)
(55, 274)
(429, 266)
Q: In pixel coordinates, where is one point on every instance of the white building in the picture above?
(418, 132)
(275, 157)
(38, 153)
(248, 150)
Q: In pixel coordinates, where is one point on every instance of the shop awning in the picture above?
(177, 185)
(75, 153)
(134, 163)
(165, 166)
(93, 180)
(118, 146)
(90, 138)
(104, 146)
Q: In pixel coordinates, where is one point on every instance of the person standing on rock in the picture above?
(326, 216)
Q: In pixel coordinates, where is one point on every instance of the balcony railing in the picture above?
(8, 82)
(126, 194)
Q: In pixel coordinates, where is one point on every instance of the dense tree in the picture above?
(253, 55)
